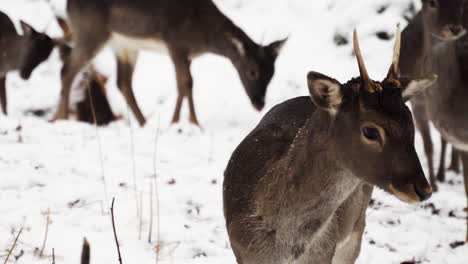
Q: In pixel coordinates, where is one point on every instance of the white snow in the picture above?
(50, 165)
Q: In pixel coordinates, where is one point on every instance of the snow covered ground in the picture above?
(58, 166)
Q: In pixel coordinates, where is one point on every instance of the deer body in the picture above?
(183, 29)
(428, 46)
(292, 219)
(21, 53)
(296, 189)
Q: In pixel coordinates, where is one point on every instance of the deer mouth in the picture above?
(411, 193)
(259, 103)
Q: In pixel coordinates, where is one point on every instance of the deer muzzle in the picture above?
(258, 102)
(412, 193)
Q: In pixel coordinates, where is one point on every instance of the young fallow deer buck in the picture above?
(185, 29)
(21, 53)
(297, 188)
(434, 42)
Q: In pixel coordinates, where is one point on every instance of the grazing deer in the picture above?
(438, 22)
(435, 42)
(21, 53)
(185, 29)
(94, 107)
(297, 188)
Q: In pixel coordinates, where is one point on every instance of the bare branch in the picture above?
(13, 246)
(41, 253)
(115, 233)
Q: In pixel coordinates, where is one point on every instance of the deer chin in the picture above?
(25, 74)
(409, 195)
(258, 104)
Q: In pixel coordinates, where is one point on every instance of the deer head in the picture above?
(256, 66)
(444, 18)
(373, 128)
(37, 49)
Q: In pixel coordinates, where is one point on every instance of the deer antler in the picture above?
(368, 84)
(393, 71)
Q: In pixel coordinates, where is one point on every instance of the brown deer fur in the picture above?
(297, 188)
(21, 53)
(95, 107)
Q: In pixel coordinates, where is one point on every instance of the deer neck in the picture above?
(231, 42)
(415, 47)
(309, 180)
(13, 49)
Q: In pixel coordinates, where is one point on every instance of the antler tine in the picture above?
(393, 72)
(362, 67)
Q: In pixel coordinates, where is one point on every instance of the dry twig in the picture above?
(41, 253)
(115, 233)
(13, 246)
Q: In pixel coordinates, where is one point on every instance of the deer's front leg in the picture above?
(441, 172)
(184, 85)
(422, 123)
(126, 61)
(81, 54)
(455, 161)
(3, 95)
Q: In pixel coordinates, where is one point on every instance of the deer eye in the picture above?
(432, 3)
(371, 133)
(253, 74)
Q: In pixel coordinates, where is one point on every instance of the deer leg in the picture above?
(464, 158)
(3, 95)
(422, 124)
(455, 161)
(126, 60)
(441, 172)
(80, 56)
(184, 86)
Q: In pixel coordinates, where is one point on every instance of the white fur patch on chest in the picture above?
(120, 41)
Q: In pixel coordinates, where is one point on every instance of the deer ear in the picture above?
(325, 92)
(237, 44)
(417, 86)
(274, 48)
(27, 29)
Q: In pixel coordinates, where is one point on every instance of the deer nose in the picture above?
(259, 103)
(424, 193)
(456, 30)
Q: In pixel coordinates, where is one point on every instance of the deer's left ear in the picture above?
(417, 86)
(325, 92)
(27, 29)
(274, 48)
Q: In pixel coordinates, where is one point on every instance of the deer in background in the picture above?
(184, 29)
(21, 53)
(297, 188)
(434, 42)
(94, 107)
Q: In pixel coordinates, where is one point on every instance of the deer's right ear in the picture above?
(27, 29)
(237, 44)
(326, 92)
